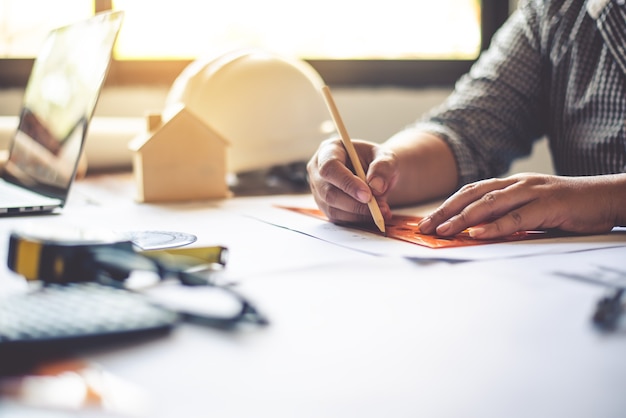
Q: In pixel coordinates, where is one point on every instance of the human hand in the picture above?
(340, 193)
(496, 208)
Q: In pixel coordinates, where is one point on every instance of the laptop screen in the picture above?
(59, 100)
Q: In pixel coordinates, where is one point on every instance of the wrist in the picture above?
(617, 199)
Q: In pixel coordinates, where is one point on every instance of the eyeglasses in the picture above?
(179, 286)
(179, 280)
(212, 305)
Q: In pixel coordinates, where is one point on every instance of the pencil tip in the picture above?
(380, 223)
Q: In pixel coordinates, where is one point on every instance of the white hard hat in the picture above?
(268, 107)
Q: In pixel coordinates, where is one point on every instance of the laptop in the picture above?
(59, 100)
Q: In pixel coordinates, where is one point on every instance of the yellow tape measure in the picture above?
(68, 257)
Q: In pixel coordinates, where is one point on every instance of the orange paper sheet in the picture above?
(404, 228)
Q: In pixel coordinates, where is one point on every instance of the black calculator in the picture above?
(65, 318)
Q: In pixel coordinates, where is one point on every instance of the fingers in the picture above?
(579, 205)
(508, 224)
(382, 174)
(490, 208)
(340, 194)
(333, 170)
(338, 206)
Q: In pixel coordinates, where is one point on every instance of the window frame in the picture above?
(14, 72)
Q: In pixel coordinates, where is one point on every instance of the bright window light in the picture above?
(324, 29)
(25, 23)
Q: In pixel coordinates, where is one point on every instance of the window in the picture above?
(349, 42)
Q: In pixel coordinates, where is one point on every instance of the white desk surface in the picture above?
(358, 335)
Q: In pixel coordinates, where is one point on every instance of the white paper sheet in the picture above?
(376, 244)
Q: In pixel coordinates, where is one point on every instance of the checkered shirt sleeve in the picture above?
(552, 70)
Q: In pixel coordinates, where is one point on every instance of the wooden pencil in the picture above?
(354, 157)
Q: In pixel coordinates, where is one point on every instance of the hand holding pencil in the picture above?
(354, 157)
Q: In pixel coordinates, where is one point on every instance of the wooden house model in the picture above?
(180, 159)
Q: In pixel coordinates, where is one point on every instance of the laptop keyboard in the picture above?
(14, 196)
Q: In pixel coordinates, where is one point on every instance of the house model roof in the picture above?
(183, 117)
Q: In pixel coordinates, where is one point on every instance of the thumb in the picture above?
(377, 184)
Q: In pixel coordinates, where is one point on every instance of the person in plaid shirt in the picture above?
(556, 69)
